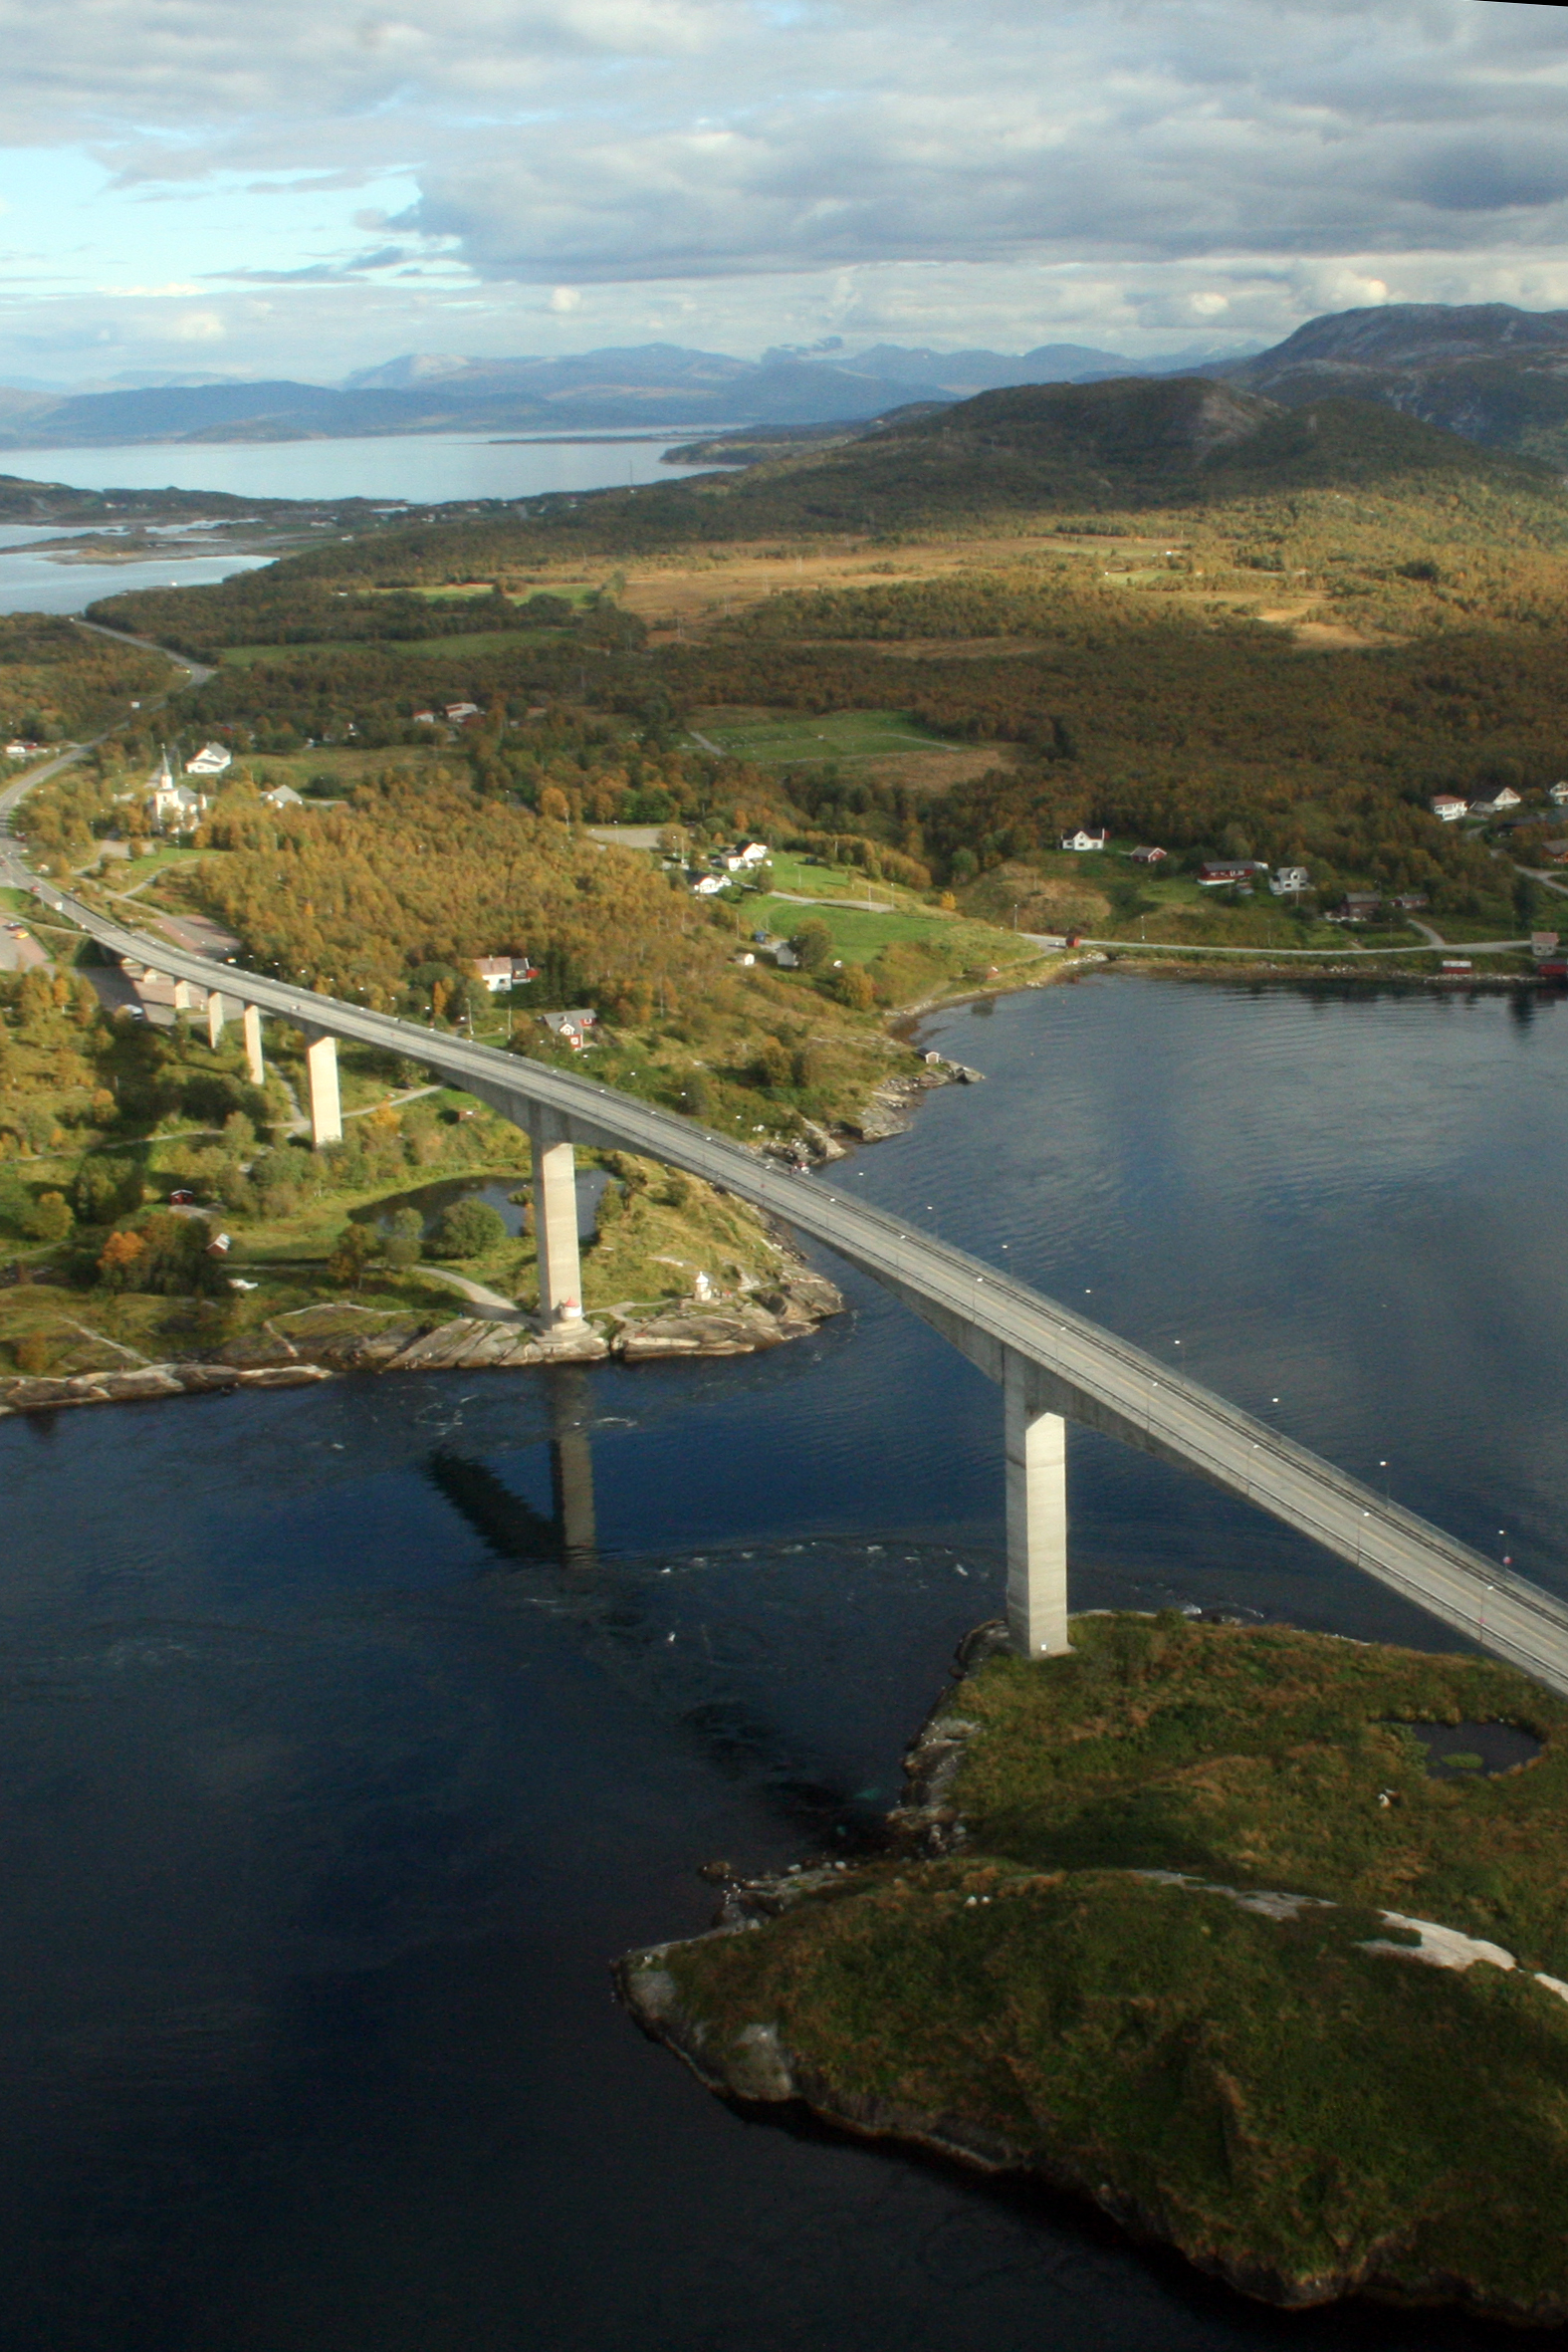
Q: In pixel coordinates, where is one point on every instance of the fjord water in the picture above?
(333, 1779)
(419, 468)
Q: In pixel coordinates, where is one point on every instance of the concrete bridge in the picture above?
(1052, 1364)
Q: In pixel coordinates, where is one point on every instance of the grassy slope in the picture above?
(1284, 2105)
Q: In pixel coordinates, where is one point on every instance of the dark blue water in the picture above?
(333, 1779)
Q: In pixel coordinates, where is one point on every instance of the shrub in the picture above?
(468, 1229)
(403, 1238)
(812, 943)
(49, 1220)
(350, 1253)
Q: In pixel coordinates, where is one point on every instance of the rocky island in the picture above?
(1255, 1938)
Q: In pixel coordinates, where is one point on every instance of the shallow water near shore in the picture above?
(348, 1733)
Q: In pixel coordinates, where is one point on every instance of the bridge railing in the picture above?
(1175, 1413)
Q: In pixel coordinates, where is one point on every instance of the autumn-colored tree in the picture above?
(117, 1265)
(353, 1250)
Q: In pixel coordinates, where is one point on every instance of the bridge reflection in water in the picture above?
(1052, 1364)
(505, 1521)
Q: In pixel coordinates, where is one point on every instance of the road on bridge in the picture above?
(1078, 1368)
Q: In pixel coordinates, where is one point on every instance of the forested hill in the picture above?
(1496, 375)
(1113, 447)
(1129, 442)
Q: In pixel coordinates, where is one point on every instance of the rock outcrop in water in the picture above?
(316, 1342)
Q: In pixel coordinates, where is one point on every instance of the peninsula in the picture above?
(1253, 1937)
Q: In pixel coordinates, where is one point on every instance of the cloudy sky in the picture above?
(307, 187)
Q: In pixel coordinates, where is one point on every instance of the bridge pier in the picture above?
(555, 1219)
(321, 1063)
(215, 1019)
(253, 1045)
(1037, 1454)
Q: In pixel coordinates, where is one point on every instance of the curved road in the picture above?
(13, 872)
(1070, 1365)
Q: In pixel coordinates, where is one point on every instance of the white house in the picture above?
(709, 885)
(1498, 804)
(462, 710)
(211, 759)
(500, 972)
(1557, 794)
(1449, 807)
(1084, 839)
(1288, 879)
(21, 749)
(282, 796)
(750, 853)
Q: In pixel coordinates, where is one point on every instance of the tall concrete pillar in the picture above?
(182, 996)
(215, 1019)
(1036, 1443)
(554, 1220)
(253, 1045)
(320, 1065)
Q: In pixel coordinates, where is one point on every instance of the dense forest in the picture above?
(284, 605)
(418, 875)
(58, 681)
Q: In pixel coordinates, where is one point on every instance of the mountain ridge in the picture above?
(1495, 374)
(656, 386)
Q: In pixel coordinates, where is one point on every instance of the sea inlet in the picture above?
(348, 1733)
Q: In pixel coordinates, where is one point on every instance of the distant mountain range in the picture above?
(656, 386)
(1490, 373)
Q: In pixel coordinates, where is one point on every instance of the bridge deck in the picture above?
(1076, 1367)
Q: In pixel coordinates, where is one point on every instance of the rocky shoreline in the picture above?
(326, 1341)
(757, 2066)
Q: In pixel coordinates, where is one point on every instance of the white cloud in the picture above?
(1118, 170)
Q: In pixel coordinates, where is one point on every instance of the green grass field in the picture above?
(832, 734)
(858, 936)
(121, 873)
(814, 880)
(575, 592)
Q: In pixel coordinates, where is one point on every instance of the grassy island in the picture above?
(1193, 1921)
